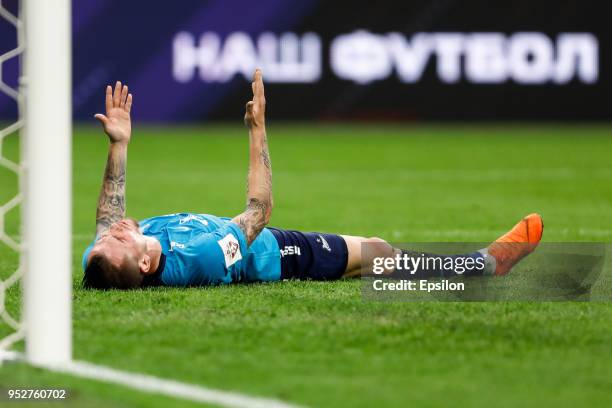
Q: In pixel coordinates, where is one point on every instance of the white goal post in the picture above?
(47, 161)
(45, 177)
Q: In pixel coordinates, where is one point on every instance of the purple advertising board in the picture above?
(442, 60)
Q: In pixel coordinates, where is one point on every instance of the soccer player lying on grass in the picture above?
(198, 249)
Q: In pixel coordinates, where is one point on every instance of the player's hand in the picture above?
(255, 115)
(116, 122)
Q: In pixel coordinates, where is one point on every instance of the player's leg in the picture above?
(498, 258)
(362, 253)
(358, 262)
(320, 256)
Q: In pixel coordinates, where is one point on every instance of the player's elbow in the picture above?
(265, 216)
(258, 213)
(264, 210)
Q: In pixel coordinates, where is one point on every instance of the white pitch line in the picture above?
(156, 385)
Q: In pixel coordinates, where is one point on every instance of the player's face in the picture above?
(123, 239)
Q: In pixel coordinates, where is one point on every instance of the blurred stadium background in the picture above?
(415, 121)
(415, 60)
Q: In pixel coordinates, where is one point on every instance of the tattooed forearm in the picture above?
(259, 189)
(111, 203)
(254, 219)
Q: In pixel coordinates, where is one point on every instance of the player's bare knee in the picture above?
(380, 247)
(376, 239)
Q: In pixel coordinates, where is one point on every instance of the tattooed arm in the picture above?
(117, 126)
(111, 203)
(259, 188)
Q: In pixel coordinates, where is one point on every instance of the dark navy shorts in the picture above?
(311, 255)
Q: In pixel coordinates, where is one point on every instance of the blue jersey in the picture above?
(202, 249)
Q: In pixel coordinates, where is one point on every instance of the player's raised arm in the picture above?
(117, 126)
(259, 188)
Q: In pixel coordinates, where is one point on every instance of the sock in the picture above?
(490, 262)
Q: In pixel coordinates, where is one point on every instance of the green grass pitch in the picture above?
(319, 344)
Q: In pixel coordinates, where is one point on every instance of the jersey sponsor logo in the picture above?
(290, 250)
(174, 244)
(231, 249)
(324, 243)
(193, 217)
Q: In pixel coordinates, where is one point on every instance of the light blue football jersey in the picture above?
(203, 249)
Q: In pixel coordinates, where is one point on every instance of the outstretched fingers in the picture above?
(118, 98)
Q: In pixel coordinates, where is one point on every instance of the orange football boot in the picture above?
(517, 243)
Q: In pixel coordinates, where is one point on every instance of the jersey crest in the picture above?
(231, 249)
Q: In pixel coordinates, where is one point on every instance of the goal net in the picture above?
(11, 273)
